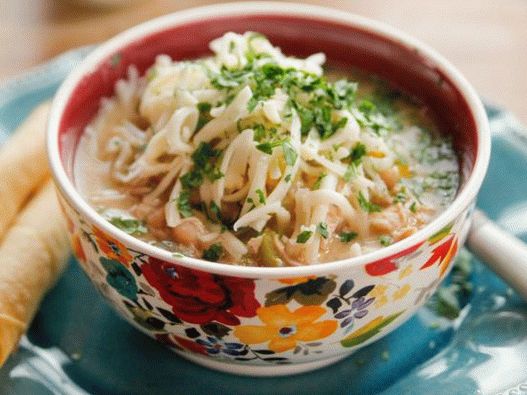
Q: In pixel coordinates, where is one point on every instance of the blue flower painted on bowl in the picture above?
(216, 346)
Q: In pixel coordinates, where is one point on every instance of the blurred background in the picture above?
(486, 39)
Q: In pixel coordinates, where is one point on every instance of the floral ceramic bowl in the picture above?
(269, 321)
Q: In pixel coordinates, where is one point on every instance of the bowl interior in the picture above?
(401, 64)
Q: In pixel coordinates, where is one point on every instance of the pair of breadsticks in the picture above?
(33, 239)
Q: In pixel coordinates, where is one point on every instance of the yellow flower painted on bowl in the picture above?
(113, 249)
(296, 280)
(406, 272)
(284, 328)
(401, 292)
(379, 293)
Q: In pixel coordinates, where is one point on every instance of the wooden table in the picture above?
(486, 39)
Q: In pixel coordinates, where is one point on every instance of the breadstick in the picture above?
(24, 165)
(32, 256)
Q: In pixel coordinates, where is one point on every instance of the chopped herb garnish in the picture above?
(203, 154)
(413, 207)
(306, 119)
(447, 304)
(317, 183)
(368, 206)
(339, 124)
(183, 204)
(357, 152)
(400, 197)
(192, 179)
(385, 240)
(346, 237)
(204, 114)
(322, 229)
(228, 79)
(204, 107)
(287, 178)
(312, 96)
(213, 253)
(204, 158)
(129, 225)
(290, 153)
(214, 209)
(259, 132)
(268, 146)
(351, 172)
(367, 107)
(303, 236)
(261, 196)
(449, 299)
(368, 115)
(343, 93)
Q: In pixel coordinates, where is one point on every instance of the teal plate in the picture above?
(77, 345)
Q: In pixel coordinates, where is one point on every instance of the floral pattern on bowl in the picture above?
(263, 321)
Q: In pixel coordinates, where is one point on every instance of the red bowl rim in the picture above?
(463, 200)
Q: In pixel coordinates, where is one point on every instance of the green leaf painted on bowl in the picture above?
(369, 330)
(441, 234)
(120, 278)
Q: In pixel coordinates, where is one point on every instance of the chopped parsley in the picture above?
(322, 229)
(303, 236)
(129, 225)
(259, 132)
(369, 116)
(290, 153)
(261, 196)
(202, 155)
(357, 152)
(351, 172)
(346, 237)
(204, 114)
(401, 196)
(204, 158)
(385, 240)
(313, 97)
(449, 299)
(268, 146)
(368, 206)
(213, 253)
(287, 178)
(413, 207)
(215, 210)
(192, 179)
(183, 204)
(354, 159)
(317, 183)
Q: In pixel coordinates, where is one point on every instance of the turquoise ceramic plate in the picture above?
(77, 345)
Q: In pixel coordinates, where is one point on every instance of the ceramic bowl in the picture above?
(269, 321)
